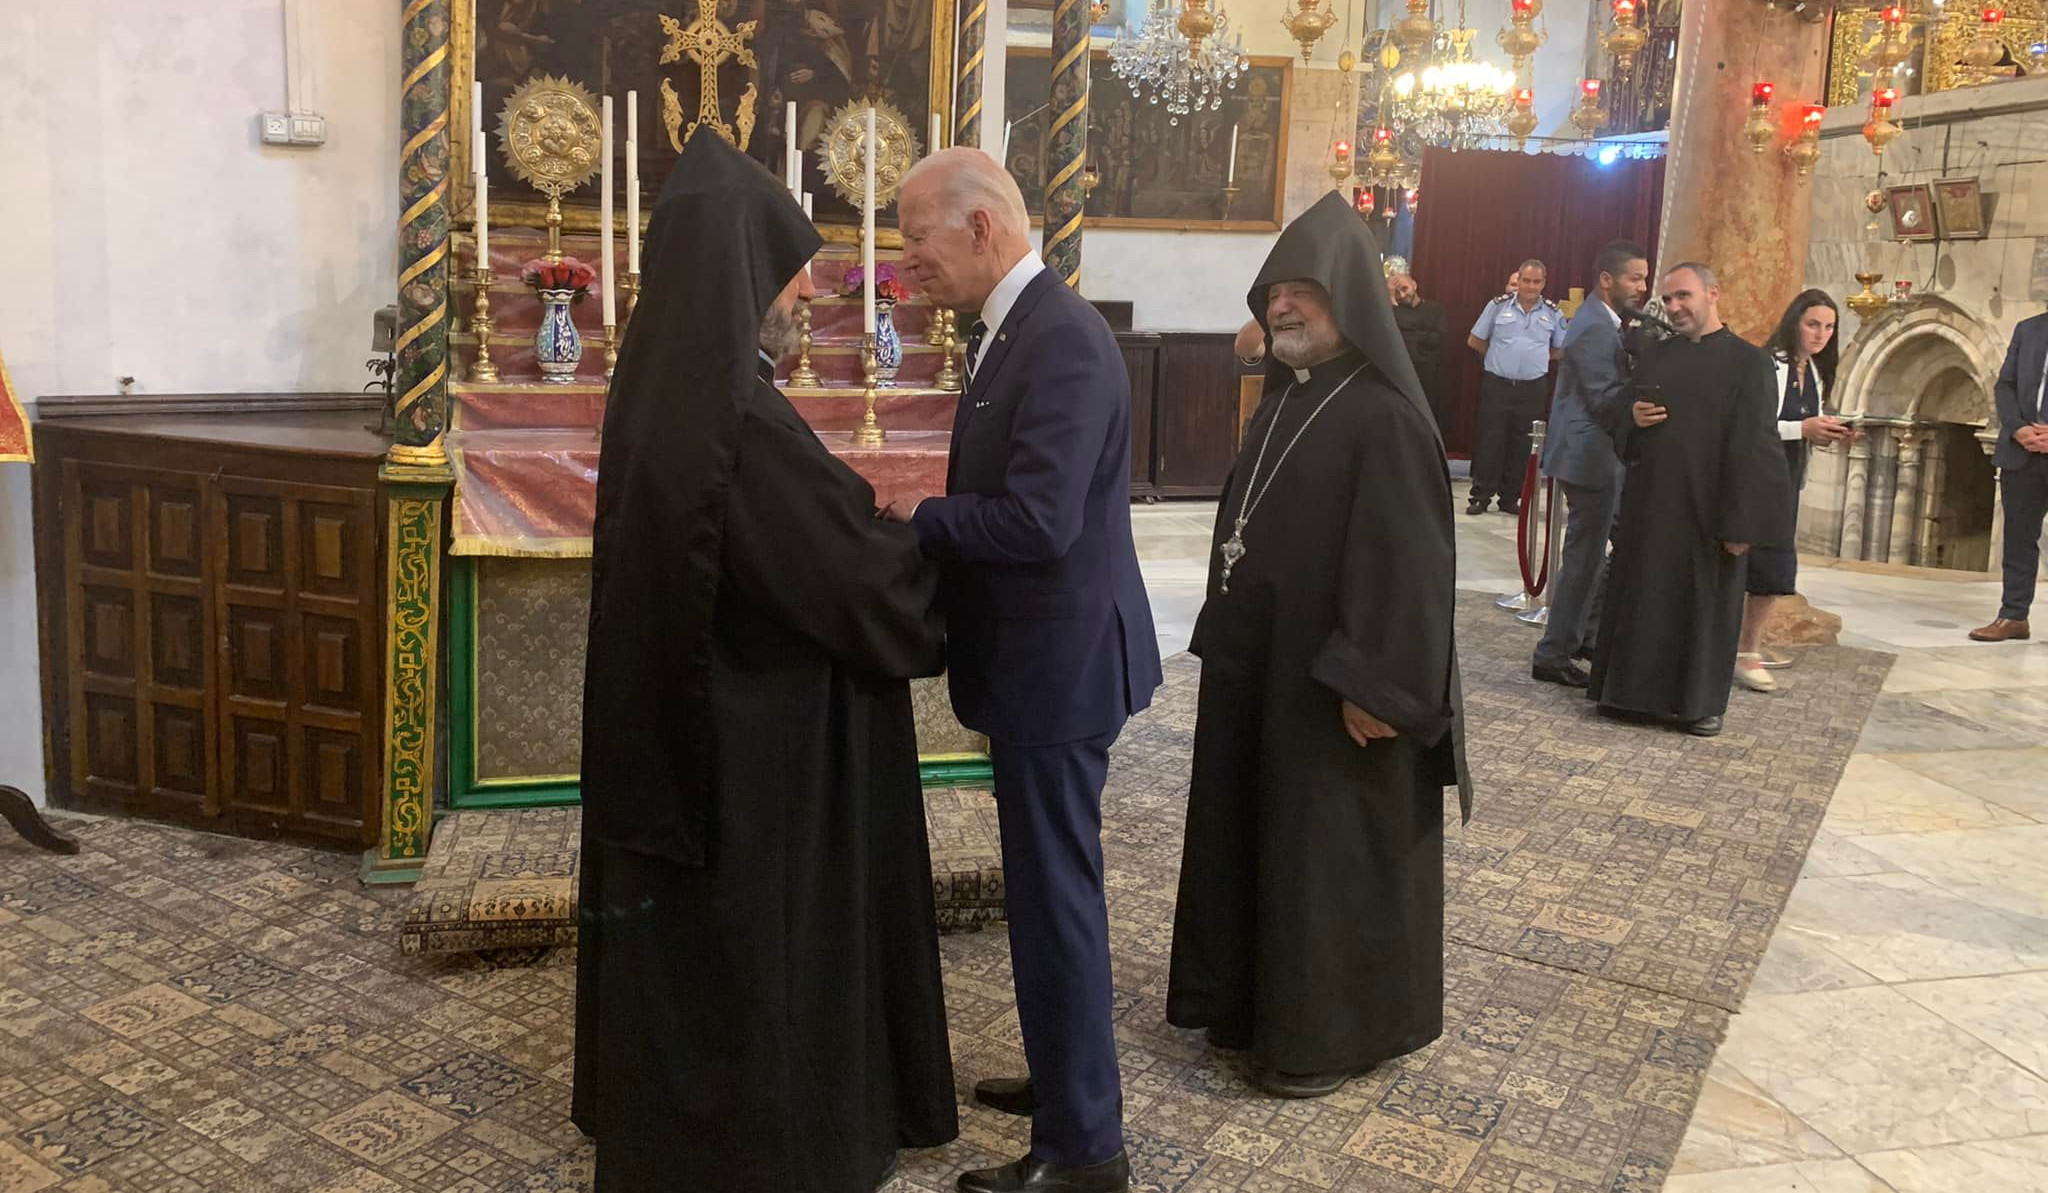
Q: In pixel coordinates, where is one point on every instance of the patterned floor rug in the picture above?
(182, 1013)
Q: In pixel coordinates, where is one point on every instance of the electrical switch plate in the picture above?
(309, 130)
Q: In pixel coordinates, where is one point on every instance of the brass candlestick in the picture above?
(611, 350)
(935, 328)
(482, 369)
(949, 373)
(1229, 197)
(870, 433)
(632, 288)
(803, 376)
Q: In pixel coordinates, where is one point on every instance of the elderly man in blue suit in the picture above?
(1580, 452)
(1050, 644)
(2022, 460)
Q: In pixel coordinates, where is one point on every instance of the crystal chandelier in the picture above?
(1456, 103)
(1184, 60)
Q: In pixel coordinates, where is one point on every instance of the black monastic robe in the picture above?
(1712, 473)
(758, 1002)
(1310, 913)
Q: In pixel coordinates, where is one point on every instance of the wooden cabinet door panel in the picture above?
(1141, 362)
(1197, 411)
(298, 708)
(136, 630)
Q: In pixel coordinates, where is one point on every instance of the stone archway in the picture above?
(1918, 487)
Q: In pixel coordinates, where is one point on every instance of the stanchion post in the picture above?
(1524, 603)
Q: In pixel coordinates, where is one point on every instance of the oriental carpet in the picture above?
(184, 1013)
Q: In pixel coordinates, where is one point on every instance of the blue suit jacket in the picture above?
(1049, 633)
(2019, 385)
(1592, 386)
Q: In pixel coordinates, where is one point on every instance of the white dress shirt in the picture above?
(1002, 299)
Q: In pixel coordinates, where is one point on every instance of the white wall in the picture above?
(157, 238)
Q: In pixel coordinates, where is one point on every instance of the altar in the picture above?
(524, 456)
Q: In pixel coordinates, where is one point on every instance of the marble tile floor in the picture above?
(1895, 1039)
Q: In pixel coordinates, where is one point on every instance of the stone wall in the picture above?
(1924, 370)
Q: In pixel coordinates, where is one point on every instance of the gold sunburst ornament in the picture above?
(843, 153)
(549, 132)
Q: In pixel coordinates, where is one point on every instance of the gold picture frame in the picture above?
(582, 217)
(1959, 204)
(1913, 212)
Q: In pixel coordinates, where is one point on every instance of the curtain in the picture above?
(1483, 213)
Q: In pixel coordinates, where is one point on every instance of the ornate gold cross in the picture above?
(708, 42)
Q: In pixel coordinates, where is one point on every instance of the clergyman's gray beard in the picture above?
(778, 333)
(1300, 348)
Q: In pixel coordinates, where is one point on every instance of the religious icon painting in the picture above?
(1959, 202)
(1912, 212)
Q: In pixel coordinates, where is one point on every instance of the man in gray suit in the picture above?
(2022, 460)
(1580, 452)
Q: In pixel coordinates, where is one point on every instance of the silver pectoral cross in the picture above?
(1232, 551)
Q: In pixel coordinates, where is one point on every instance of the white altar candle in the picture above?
(1005, 160)
(1232, 179)
(867, 230)
(604, 220)
(935, 144)
(792, 153)
(479, 162)
(807, 206)
(633, 181)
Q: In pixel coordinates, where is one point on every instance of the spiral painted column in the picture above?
(967, 84)
(1067, 141)
(416, 473)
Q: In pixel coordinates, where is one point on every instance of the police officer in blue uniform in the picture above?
(1521, 333)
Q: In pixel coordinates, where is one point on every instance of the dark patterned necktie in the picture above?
(974, 335)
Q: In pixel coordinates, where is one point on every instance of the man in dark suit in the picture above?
(1050, 645)
(2022, 462)
(1423, 330)
(1580, 452)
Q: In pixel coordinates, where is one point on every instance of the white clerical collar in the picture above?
(1301, 376)
(1004, 296)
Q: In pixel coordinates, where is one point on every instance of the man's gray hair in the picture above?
(969, 180)
(1533, 263)
(1706, 276)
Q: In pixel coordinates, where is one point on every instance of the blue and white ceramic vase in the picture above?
(888, 345)
(557, 345)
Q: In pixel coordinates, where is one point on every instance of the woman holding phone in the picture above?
(1805, 352)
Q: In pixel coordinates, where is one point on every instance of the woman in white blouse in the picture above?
(1804, 349)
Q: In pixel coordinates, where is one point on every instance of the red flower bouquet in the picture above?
(887, 288)
(566, 274)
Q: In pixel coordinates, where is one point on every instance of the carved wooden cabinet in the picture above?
(212, 618)
(1184, 411)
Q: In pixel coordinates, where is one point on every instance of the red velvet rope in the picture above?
(1532, 584)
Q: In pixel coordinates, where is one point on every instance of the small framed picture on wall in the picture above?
(1960, 204)
(1912, 211)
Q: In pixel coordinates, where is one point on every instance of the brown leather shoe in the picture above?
(2003, 630)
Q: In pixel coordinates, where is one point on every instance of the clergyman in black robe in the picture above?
(758, 998)
(1706, 482)
(1310, 919)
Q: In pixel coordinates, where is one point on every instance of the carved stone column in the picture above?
(1855, 498)
(1906, 497)
(1744, 214)
(1933, 496)
(1820, 502)
(1884, 480)
(1067, 140)
(1988, 440)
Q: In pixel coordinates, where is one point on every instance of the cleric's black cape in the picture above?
(1311, 895)
(757, 999)
(1711, 473)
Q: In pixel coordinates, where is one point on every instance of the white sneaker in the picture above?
(1750, 673)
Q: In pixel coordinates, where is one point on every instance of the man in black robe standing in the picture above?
(757, 999)
(1706, 482)
(1423, 329)
(1310, 919)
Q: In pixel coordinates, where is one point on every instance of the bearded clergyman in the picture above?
(757, 987)
(1310, 921)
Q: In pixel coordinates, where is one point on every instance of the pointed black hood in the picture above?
(725, 239)
(1330, 245)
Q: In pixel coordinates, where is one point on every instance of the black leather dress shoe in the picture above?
(1011, 1095)
(1476, 505)
(1299, 1085)
(1705, 727)
(1571, 675)
(1511, 509)
(1037, 1176)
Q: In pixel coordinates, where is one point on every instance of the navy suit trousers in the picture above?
(2025, 492)
(1049, 806)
